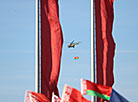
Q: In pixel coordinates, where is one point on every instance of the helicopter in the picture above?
(72, 44)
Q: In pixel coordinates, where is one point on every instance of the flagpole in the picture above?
(92, 47)
(37, 49)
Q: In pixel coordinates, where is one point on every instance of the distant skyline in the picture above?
(17, 47)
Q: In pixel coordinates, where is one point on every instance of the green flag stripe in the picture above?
(94, 93)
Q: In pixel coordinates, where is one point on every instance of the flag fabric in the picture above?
(72, 95)
(116, 97)
(55, 98)
(90, 88)
(102, 91)
(35, 97)
(77, 57)
(105, 46)
(51, 47)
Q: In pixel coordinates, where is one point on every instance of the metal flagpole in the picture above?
(37, 49)
(92, 47)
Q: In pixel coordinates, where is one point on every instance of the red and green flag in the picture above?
(102, 91)
(77, 57)
(90, 88)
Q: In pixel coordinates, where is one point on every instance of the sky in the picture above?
(17, 47)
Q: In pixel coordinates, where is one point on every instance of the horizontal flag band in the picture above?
(94, 93)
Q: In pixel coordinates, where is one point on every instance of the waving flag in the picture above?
(102, 91)
(116, 97)
(55, 98)
(72, 95)
(35, 97)
(51, 47)
(90, 88)
(105, 45)
(76, 58)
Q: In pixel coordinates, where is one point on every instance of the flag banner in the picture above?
(90, 88)
(116, 97)
(72, 95)
(76, 58)
(35, 97)
(105, 46)
(55, 98)
(51, 47)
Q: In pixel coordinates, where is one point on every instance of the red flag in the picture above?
(105, 45)
(72, 95)
(51, 47)
(55, 98)
(35, 97)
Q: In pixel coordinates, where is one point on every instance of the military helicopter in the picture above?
(72, 44)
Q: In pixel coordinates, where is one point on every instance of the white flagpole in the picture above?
(92, 46)
(37, 49)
